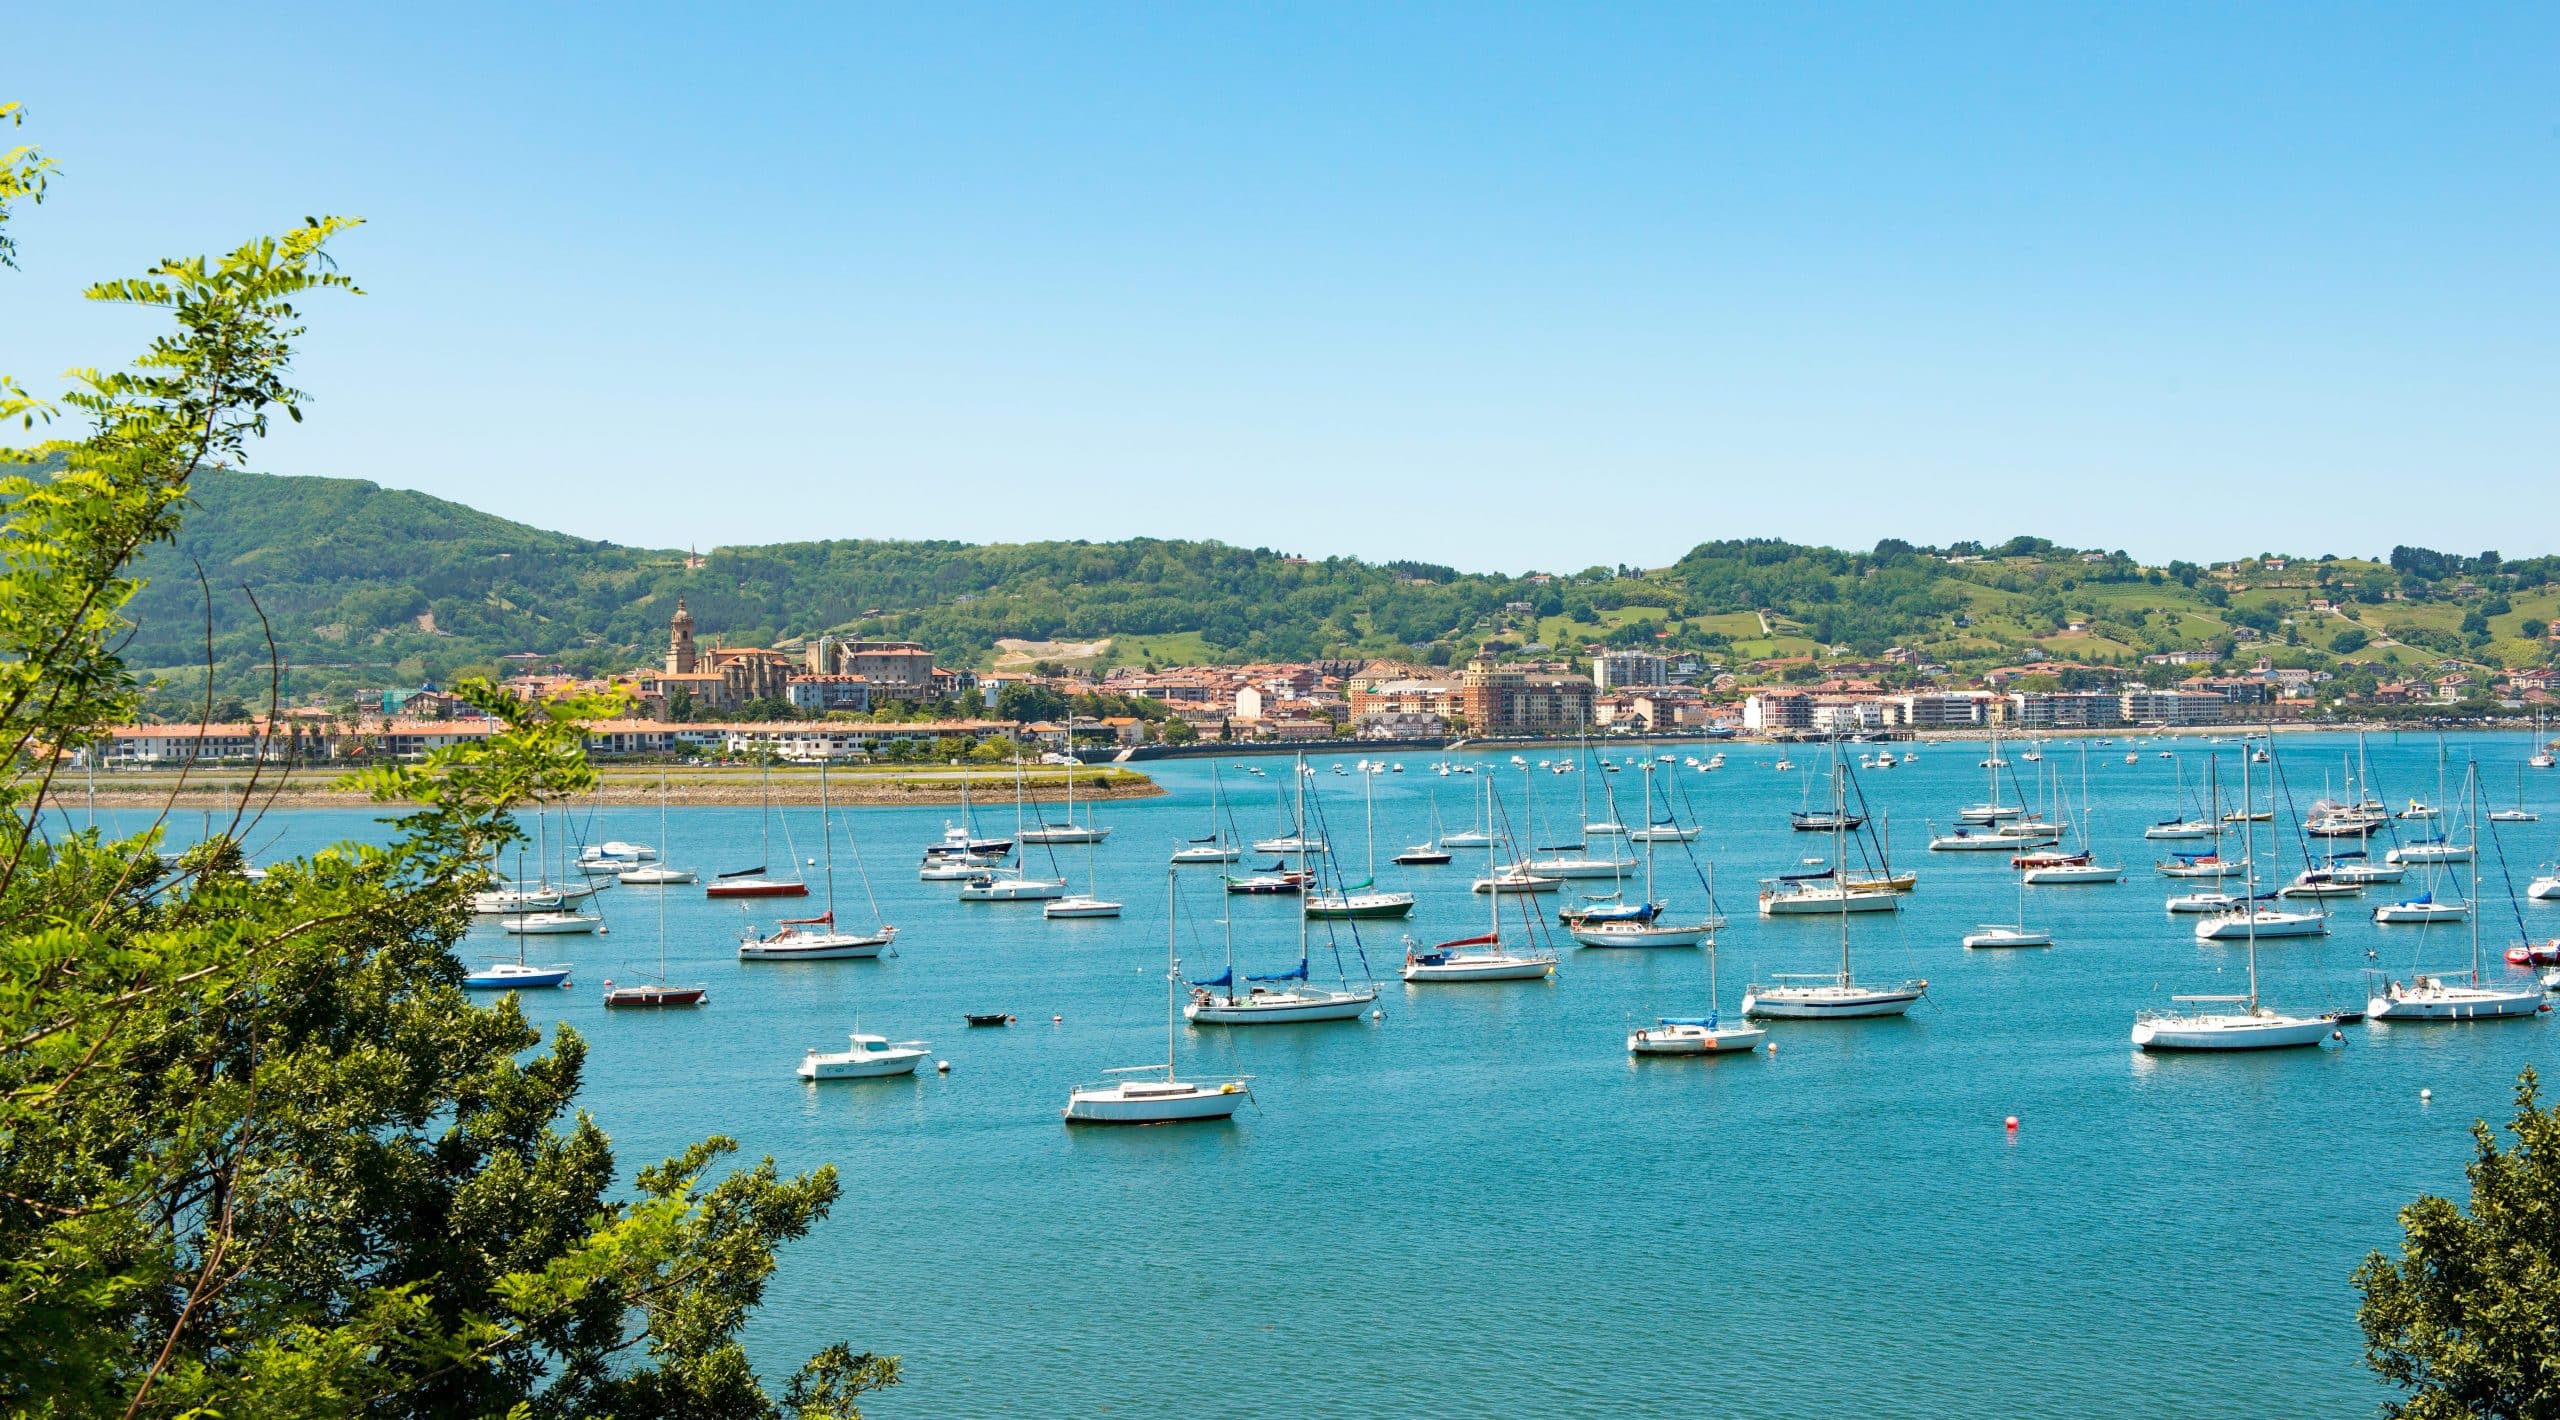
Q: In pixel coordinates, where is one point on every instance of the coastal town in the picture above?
(848, 699)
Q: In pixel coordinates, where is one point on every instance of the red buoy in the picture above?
(2013, 1124)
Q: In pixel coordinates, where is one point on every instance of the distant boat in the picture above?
(753, 882)
(1697, 1035)
(871, 1057)
(2444, 997)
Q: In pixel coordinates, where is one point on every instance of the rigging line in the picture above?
(2514, 908)
(1331, 863)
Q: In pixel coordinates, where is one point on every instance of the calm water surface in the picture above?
(1478, 1205)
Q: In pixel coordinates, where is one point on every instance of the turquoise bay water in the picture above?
(1479, 1205)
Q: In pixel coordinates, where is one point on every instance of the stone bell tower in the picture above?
(680, 660)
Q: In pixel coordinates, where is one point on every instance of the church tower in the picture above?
(680, 641)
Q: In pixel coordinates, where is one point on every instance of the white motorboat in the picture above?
(2420, 911)
(2179, 829)
(2195, 902)
(1080, 905)
(871, 1057)
(1198, 853)
(2545, 889)
(2319, 883)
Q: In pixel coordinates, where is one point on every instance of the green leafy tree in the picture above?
(259, 1153)
(2350, 641)
(2462, 1322)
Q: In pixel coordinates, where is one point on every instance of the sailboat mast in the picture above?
(826, 830)
(1172, 971)
(1839, 847)
(2473, 779)
(1492, 871)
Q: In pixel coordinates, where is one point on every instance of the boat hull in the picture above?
(1828, 904)
(2453, 1004)
(813, 946)
(1484, 968)
(650, 997)
(1695, 1040)
(1360, 906)
(1637, 934)
(2232, 1032)
(1278, 1010)
(1827, 1003)
(756, 888)
(1993, 937)
(2282, 924)
(507, 976)
(1110, 1104)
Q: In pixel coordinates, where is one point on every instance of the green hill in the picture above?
(367, 586)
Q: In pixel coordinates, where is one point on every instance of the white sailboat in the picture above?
(1279, 998)
(1829, 892)
(1069, 831)
(1363, 900)
(1014, 884)
(1128, 1099)
(1709, 1034)
(1833, 997)
(1996, 934)
(1631, 925)
(2254, 1026)
(818, 938)
(1089, 903)
(1482, 958)
(2452, 998)
(2254, 918)
(1218, 847)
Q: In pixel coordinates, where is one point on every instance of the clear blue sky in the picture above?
(1501, 287)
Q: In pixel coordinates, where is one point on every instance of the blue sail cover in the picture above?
(1224, 978)
(1707, 1021)
(2194, 857)
(1804, 877)
(1295, 973)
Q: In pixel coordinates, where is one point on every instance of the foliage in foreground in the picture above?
(259, 1154)
(2467, 1321)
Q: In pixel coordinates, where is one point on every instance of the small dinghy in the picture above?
(994, 1020)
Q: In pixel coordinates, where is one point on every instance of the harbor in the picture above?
(1858, 1173)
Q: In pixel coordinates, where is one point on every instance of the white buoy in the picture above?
(942, 1067)
(2426, 1094)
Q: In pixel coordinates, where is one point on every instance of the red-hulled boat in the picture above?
(751, 882)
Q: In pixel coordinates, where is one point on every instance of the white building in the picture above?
(1618, 670)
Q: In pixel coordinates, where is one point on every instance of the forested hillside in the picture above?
(368, 586)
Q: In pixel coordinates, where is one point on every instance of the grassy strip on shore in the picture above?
(308, 788)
